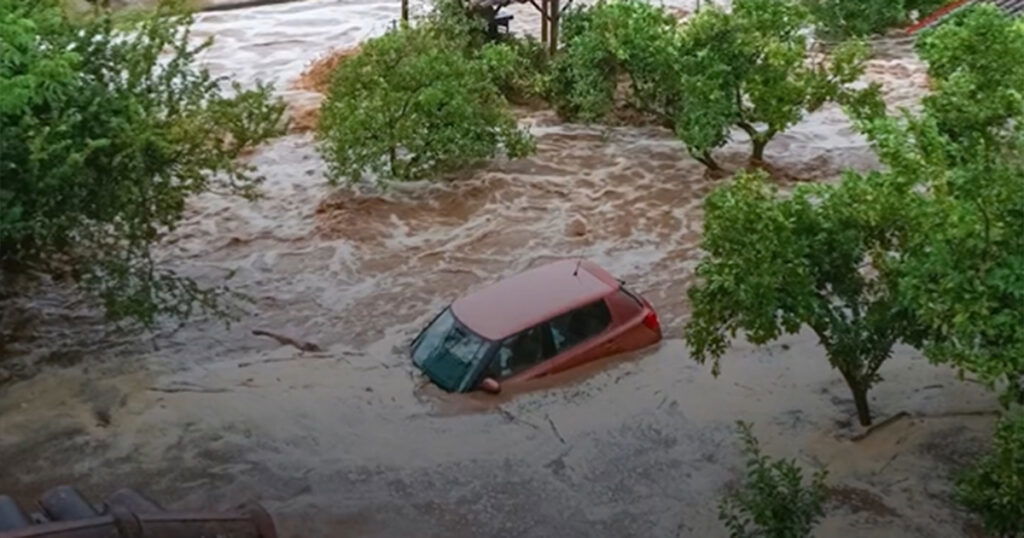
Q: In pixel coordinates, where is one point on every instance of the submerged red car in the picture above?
(537, 323)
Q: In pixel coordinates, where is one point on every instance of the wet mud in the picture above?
(351, 441)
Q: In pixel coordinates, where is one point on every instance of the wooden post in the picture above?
(544, 22)
(405, 11)
(553, 33)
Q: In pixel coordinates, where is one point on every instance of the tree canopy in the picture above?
(958, 168)
(927, 252)
(107, 130)
(747, 68)
(777, 263)
(419, 102)
(773, 501)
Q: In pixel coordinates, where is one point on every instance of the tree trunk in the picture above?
(405, 11)
(860, 399)
(554, 21)
(759, 144)
(707, 160)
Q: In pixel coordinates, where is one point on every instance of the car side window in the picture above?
(578, 325)
(522, 351)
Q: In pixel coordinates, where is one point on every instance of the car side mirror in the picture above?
(490, 385)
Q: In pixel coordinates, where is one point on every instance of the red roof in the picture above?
(522, 301)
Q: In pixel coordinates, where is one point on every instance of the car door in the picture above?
(522, 352)
(564, 341)
(579, 336)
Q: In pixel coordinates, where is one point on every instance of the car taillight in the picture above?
(651, 322)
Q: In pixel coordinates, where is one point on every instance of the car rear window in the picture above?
(580, 324)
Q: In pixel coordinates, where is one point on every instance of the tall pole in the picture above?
(405, 11)
(553, 34)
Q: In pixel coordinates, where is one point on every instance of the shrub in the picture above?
(415, 104)
(773, 501)
(994, 487)
(517, 67)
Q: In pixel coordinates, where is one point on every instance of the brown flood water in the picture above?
(352, 442)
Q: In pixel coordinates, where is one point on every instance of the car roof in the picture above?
(524, 300)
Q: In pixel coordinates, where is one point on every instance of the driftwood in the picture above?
(288, 341)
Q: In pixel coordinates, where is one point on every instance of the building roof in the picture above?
(524, 300)
(1013, 8)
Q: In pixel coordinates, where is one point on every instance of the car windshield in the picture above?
(448, 352)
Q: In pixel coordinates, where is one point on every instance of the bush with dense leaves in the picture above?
(107, 130)
(518, 67)
(606, 42)
(418, 103)
(773, 501)
(994, 487)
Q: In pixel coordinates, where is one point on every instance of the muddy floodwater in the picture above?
(351, 441)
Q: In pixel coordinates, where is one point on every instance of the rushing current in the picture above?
(352, 441)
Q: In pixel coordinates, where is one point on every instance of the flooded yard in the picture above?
(351, 440)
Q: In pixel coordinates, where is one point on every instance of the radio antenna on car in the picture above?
(576, 271)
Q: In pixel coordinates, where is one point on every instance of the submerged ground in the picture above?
(351, 441)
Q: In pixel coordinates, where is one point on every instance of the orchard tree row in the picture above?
(928, 252)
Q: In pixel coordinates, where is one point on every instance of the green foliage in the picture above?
(994, 487)
(777, 263)
(958, 172)
(861, 18)
(517, 66)
(754, 63)
(974, 61)
(929, 252)
(857, 18)
(415, 104)
(605, 42)
(773, 502)
(747, 68)
(106, 133)
(453, 20)
(923, 8)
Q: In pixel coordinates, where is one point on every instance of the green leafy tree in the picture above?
(994, 487)
(606, 42)
(974, 62)
(776, 264)
(774, 501)
(928, 252)
(859, 18)
(107, 130)
(747, 69)
(415, 104)
(958, 169)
